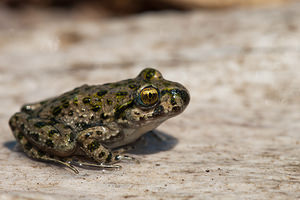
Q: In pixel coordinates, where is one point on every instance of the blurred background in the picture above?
(116, 7)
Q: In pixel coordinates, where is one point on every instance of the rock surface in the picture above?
(238, 139)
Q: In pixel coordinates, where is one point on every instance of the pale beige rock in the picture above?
(238, 139)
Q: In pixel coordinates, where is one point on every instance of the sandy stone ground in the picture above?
(238, 139)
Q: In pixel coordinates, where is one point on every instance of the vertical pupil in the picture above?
(149, 96)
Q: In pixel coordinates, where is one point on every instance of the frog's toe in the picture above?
(74, 169)
(95, 165)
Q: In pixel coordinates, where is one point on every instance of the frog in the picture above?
(94, 125)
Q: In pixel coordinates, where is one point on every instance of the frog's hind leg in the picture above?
(35, 153)
(31, 151)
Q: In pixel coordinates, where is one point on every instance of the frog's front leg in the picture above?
(91, 144)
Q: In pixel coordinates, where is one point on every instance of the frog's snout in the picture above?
(179, 100)
(185, 96)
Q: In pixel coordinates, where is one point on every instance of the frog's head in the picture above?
(156, 100)
(151, 101)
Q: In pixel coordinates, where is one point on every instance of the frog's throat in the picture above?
(131, 135)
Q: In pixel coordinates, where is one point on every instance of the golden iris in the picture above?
(149, 96)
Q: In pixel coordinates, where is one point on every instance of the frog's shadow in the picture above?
(151, 143)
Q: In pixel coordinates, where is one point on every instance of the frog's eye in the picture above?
(149, 96)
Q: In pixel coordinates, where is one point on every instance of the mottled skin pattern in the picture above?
(95, 121)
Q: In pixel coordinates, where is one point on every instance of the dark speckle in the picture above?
(28, 146)
(121, 93)
(72, 137)
(52, 121)
(66, 104)
(93, 146)
(86, 100)
(70, 113)
(149, 74)
(56, 110)
(173, 102)
(20, 136)
(158, 111)
(41, 153)
(34, 136)
(120, 110)
(103, 116)
(109, 157)
(98, 132)
(109, 102)
(75, 101)
(88, 135)
(52, 132)
(49, 143)
(96, 108)
(176, 109)
(101, 93)
(22, 126)
(132, 86)
(101, 155)
(40, 124)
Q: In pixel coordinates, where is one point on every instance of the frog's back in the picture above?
(87, 105)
